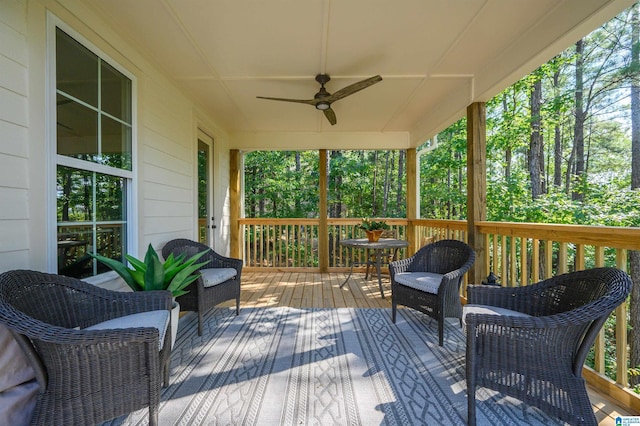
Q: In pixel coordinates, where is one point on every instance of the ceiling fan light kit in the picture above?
(323, 99)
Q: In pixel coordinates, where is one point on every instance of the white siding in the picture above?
(14, 119)
(166, 136)
(168, 153)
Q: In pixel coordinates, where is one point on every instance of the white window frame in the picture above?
(54, 160)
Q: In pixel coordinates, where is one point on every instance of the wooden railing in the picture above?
(293, 243)
(519, 253)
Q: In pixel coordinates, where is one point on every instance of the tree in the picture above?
(580, 117)
(536, 146)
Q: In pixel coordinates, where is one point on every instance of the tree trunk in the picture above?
(570, 170)
(507, 150)
(66, 179)
(578, 130)
(450, 189)
(536, 148)
(399, 192)
(374, 210)
(557, 140)
(335, 179)
(298, 203)
(385, 185)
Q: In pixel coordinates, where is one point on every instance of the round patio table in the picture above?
(377, 247)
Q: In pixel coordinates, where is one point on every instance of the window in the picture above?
(93, 141)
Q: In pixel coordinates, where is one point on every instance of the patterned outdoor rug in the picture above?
(284, 366)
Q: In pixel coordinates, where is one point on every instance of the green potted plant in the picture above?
(373, 228)
(175, 274)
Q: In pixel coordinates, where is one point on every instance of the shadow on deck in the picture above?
(316, 290)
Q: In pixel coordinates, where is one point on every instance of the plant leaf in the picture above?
(154, 274)
(137, 264)
(179, 265)
(185, 277)
(121, 270)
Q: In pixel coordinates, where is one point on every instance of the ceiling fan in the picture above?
(323, 99)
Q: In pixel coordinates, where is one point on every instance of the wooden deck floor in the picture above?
(316, 290)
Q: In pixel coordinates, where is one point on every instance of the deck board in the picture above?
(299, 289)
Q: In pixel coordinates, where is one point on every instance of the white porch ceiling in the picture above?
(435, 56)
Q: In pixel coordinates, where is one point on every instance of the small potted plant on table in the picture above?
(373, 228)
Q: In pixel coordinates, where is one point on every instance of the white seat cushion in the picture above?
(423, 281)
(215, 276)
(158, 319)
(488, 310)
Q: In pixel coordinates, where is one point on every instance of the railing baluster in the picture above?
(579, 264)
(622, 376)
(524, 269)
(562, 258)
(504, 260)
(599, 345)
(535, 260)
(548, 259)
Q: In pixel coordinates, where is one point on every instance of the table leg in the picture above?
(378, 270)
(350, 270)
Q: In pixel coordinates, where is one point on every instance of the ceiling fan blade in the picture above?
(353, 88)
(300, 101)
(331, 116)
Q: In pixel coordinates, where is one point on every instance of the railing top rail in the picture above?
(605, 236)
(441, 223)
(274, 221)
(314, 221)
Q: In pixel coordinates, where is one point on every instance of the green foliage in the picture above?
(360, 183)
(281, 184)
(373, 225)
(151, 274)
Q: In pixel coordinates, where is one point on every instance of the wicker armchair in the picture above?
(429, 281)
(531, 342)
(85, 376)
(204, 295)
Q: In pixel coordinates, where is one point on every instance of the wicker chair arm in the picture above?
(398, 266)
(40, 331)
(535, 299)
(503, 297)
(514, 322)
(522, 299)
(454, 275)
(450, 282)
(68, 302)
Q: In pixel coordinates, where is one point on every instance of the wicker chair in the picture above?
(531, 342)
(202, 295)
(85, 376)
(429, 281)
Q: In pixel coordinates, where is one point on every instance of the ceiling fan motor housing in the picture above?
(323, 99)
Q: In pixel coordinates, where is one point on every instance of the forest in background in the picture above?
(559, 150)
(563, 146)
